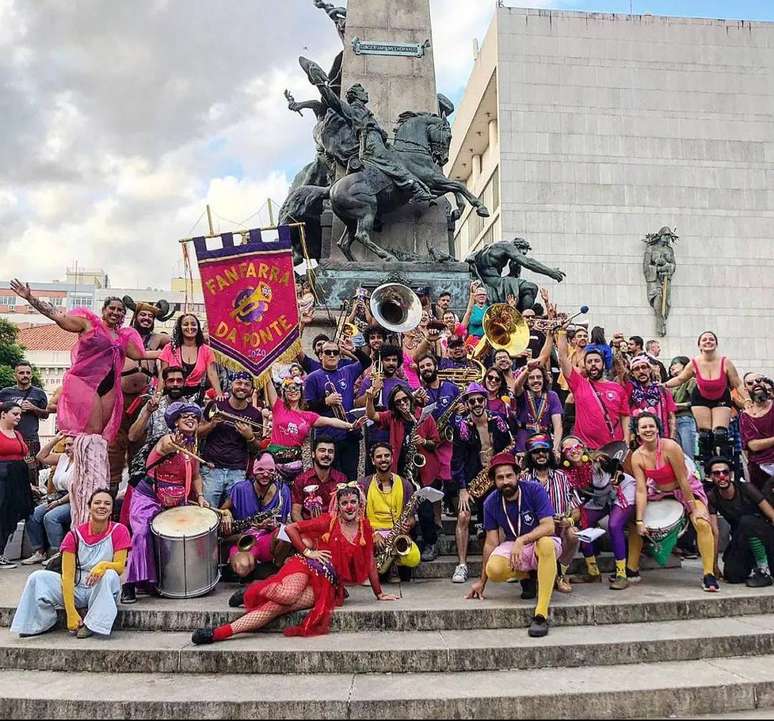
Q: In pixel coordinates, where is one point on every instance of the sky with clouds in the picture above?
(120, 121)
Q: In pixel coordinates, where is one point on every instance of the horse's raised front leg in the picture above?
(441, 184)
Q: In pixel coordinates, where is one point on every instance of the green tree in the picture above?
(11, 352)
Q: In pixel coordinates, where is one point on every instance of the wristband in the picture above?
(639, 521)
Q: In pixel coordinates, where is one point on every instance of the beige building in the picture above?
(583, 132)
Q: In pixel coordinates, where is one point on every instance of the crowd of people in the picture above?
(528, 450)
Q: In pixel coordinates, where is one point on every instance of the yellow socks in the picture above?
(546, 573)
(591, 566)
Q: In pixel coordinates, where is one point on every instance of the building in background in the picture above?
(48, 348)
(67, 295)
(582, 132)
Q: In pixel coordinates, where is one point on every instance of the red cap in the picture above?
(503, 459)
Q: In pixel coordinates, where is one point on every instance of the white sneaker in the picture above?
(51, 559)
(460, 574)
(37, 557)
(5, 563)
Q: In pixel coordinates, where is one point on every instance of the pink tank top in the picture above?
(661, 475)
(714, 389)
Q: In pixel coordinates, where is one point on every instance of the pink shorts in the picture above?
(654, 494)
(261, 551)
(528, 555)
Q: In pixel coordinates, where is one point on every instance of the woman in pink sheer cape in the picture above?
(91, 401)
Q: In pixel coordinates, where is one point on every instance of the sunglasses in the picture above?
(331, 352)
(493, 378)
(477, 401)
(572, 448)
(720, 474)
(189, 417)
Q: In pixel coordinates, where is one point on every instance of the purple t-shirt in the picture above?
(544, 407)
(343, 380)
(524, 516)
(226, 448)
(442, 397)
(244, 502)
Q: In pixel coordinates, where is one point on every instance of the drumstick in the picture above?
(201, 460)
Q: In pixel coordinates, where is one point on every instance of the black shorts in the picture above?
(697, 399)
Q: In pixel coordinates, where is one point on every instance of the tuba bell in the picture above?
(504, 329)
(396, 307)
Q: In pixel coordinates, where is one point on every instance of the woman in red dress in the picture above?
(335, 549)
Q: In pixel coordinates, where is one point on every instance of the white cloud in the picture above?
(120, 121)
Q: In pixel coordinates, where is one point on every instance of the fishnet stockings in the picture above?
(293, 593)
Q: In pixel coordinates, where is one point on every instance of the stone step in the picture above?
(408, 652)
(647, 689)
(444, 565)
(439, 605)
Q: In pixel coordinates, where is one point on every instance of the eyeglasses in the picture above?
(331, 352)
(477, 401)
(263, 471)
(720, 474)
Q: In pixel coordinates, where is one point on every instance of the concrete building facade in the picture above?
(587, 131)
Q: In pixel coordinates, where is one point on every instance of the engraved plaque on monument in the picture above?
(376, 200)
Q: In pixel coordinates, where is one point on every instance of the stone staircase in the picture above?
(661, 648)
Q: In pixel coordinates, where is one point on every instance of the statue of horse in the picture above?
(421, 144)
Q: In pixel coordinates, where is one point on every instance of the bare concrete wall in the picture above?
(612, 126)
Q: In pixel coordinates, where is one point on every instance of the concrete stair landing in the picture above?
(661, 648)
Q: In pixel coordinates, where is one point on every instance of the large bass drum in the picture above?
(186, 540)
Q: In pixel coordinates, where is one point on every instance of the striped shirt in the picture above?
(563, 497)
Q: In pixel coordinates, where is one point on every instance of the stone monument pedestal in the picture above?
(338, 280)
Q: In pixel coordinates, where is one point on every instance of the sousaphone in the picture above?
(396, 307)
(504, 329)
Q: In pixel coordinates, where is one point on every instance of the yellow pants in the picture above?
(704, 539)
(498, 569)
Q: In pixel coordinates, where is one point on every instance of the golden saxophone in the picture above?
(397, 542)
(445, 429)
(246, 541)
(414, 460)
(481, 484)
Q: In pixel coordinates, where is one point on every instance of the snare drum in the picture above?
(662, 517)
(186, 540)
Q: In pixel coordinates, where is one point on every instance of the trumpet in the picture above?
(212, 412)
(338, 409)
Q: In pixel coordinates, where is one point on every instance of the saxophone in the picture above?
(397, 542)
(481, 484)
(444, 421)
(247, 540)
(414, 460)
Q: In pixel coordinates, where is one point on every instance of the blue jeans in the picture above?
(686, 434)
(53, 524)
(218, 483)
